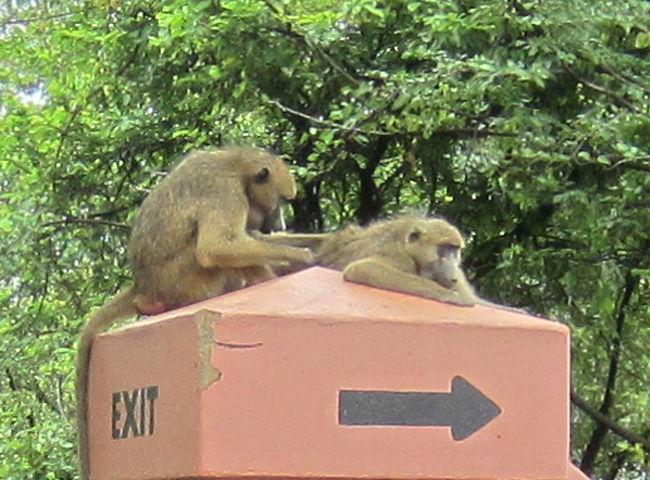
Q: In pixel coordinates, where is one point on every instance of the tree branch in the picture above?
(604, 420)
(87, 221)
(598, 435)
(461, 132)
(621, 77)
(475, 132)
(619, 100)
(320, 50)
(326, 123)
(39, 395)
(626, 164)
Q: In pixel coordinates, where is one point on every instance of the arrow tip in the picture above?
(473, 409)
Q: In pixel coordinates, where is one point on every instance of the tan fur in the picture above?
(190, 241)
(404, 255)
(313, 241)
(400, 254)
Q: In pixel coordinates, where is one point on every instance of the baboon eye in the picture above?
(262, 176)
(414, 236)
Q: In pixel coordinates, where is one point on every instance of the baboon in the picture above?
(190, 241)
(407, 254)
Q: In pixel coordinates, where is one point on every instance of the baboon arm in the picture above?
(248, 252)
(228, 246)
(467, 292)
(312, 241)
(376, 272)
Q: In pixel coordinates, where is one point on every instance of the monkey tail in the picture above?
(120, 307)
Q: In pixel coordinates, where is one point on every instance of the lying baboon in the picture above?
(190, 241)
(407, 254)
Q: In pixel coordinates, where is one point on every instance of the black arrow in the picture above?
(465, 409)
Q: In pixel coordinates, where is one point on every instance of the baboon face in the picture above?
(446, 270)
(265, 222)
(270, 184)
(273, 222)
(434, 260)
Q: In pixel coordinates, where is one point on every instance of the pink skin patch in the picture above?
(152, 308)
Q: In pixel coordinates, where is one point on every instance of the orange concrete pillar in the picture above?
(311, 376)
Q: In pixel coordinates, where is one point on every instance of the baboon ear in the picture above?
(414, 236)
(262, 176)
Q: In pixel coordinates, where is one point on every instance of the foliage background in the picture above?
(524, 122)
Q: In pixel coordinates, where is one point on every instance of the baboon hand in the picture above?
(463, 302)
(306, 257)
(460, 300)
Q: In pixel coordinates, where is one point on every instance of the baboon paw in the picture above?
(307, 257)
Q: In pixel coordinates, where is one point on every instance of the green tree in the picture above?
(524, 122)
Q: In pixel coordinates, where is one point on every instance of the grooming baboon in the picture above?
(190, 241)
(407, 254)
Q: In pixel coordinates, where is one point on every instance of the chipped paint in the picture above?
(205, 322)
